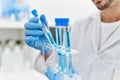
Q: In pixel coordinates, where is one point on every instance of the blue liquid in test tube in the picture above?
(59, 37)
(45, 29)
(64, 60)
(67, 39)
(59, 43)
(67, 48)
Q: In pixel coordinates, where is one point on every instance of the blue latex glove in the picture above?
(34, 36)
(51, 75)
(57, 76)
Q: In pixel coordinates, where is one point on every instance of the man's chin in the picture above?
(101, 8)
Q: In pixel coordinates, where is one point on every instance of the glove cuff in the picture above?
(46, 48)
(46, 51)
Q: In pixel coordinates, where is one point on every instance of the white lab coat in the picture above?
(95, 63)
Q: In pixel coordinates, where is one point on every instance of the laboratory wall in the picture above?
(77, 9)
(16, 58)
(74, 9)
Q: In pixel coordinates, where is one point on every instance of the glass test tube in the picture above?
(60, 51)
(48, 35)
(59, 46)
(45, 30)
(68, 51)
(64, 57)
(67, 39)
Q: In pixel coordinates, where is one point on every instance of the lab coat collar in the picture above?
(96, 30)
(96, 34)
(112, 40)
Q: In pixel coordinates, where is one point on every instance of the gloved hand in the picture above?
(34, 36)
(51, 75)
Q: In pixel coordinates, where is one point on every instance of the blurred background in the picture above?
(17, 59)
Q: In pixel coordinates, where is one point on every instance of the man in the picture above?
(98, 41)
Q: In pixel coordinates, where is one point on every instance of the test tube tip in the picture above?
(34, 12)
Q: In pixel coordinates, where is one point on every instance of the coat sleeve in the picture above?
(41, 65)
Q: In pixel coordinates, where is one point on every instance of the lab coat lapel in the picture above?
(112, 40)
(96, 31)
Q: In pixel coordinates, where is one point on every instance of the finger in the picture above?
(30, 38)
(34, 19)
(33, 32)
(50, 73)
(31, 25)
(30, 43)
(43, 19)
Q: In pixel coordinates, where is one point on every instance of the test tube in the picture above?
(45, 29)
(67, 47)
(58, 30)
(67, 39)
(64, 59)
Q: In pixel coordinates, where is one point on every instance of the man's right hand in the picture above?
(34, 36)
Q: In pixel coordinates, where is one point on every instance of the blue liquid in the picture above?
(68, 52)
(50, 38)
(67, 40)
(61, 61)
(64, 64)
(59, 37)
(59, 45)
(69, 64)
